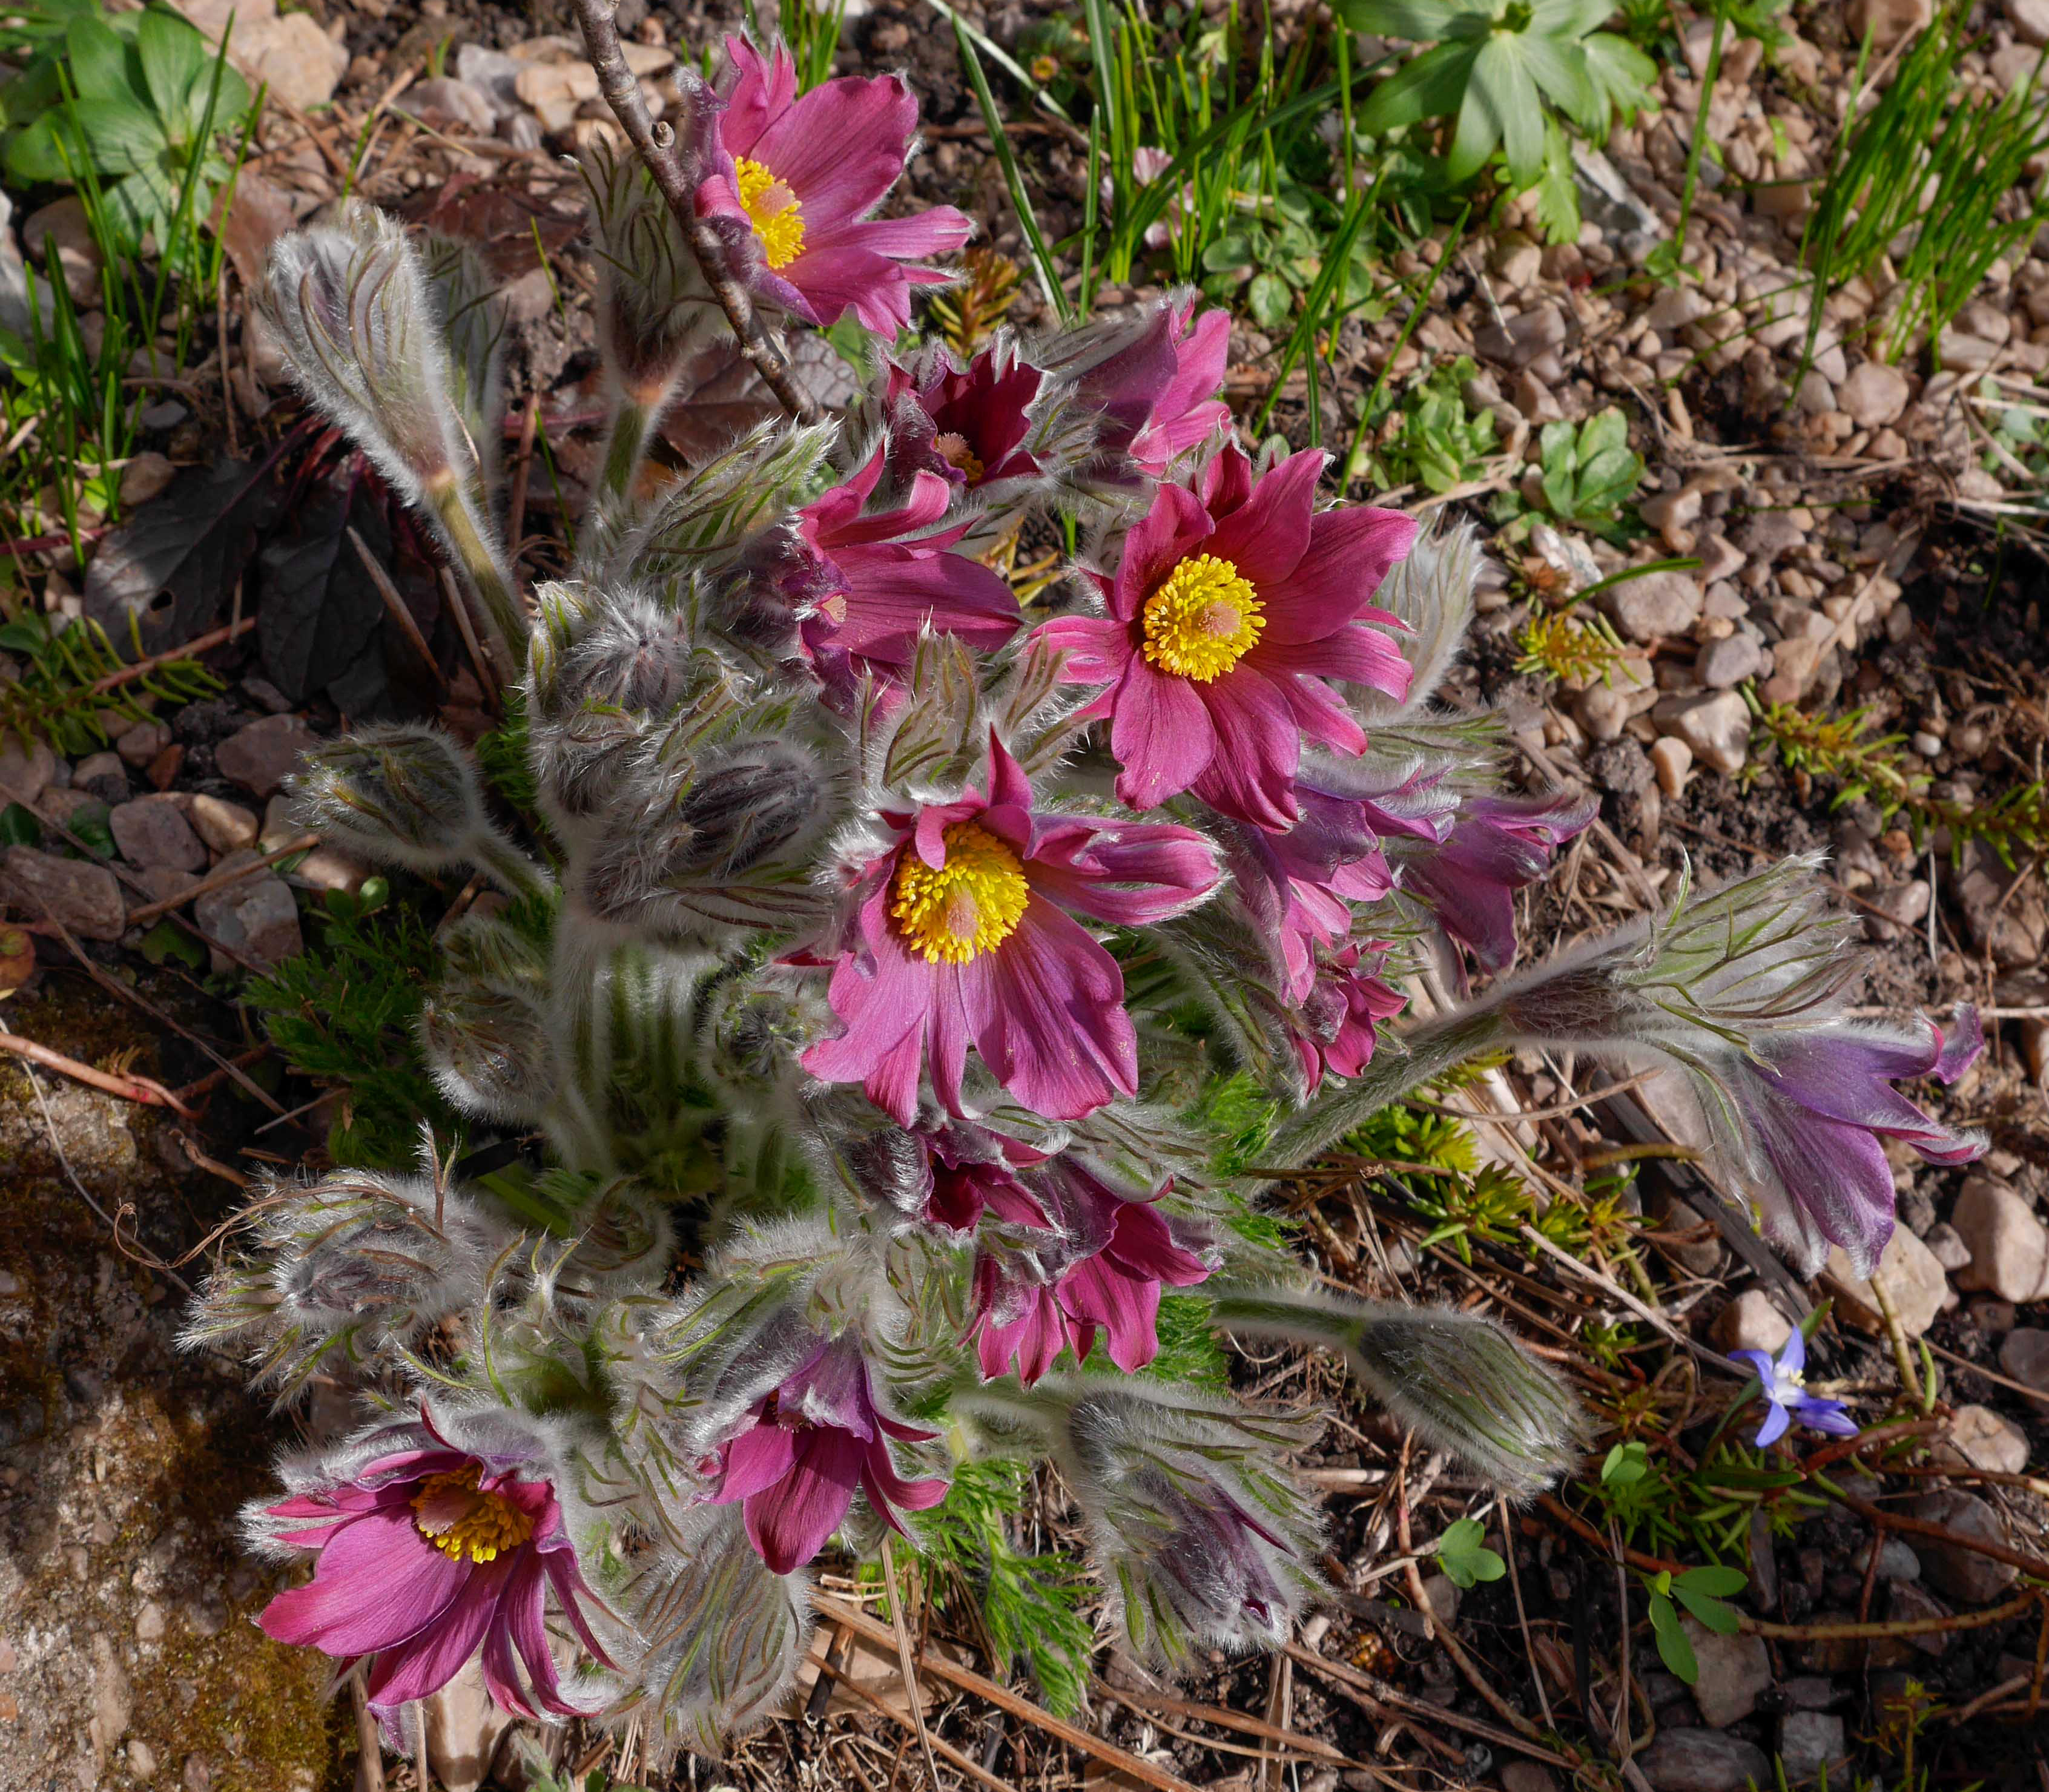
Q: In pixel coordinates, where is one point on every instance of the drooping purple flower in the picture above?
(794, 179)
(427, 1551)
(963, 929)
(1337, 1025)
(814, 1439)
(1118, 1253)
(968, 424)
(1233, 606)
(1814, 1105)
(1500, 845)
(1786, 1399)
(896, 576)
(965, 1187)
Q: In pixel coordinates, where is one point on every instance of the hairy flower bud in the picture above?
(475, 317)
(487, 1048)
(350, 1268)
(1202, 1540)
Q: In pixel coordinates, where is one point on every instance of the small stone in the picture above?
(63, 225)
(1517, 262)
(151, 831)
(2025, 1357)
(1907, 1271)
(24, 775)
(150, 1622)
(84, 897)
(327, 868)
(2031, 20)
(1672, 760)
(1811, 1742)
(256, 915)
(143, 742)
(301, 63)
(144, 477)
(1527, 1776)
(1910, 1604)
(1987, 1440)
(2008, 1246)
(1672, 514)
(225, 826)
(1519, 339)
(262, 756)
(1962, 353)
(1717, 729)
(1874, 394)
(1751, 1321)
(1723, 665)
(1734, 1669)
(1950, 1569)
(463, 1728)
(448, 105)
(141, 1759)
(1947, 1246)
(1896, 1562)
(197, 1774)
(103, 775)
(1901, 908)
(1703, 1761)
(1659, 604)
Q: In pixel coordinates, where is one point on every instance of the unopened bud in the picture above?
(402, 794)
(488, 1050)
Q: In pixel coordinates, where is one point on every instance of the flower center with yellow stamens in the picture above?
(970, 905)
(953, 449)
(773, 210)
(459, 1520)
(1204, 618)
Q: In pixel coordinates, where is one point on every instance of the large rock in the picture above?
(1952, 1569)
(225, 826)
(2009, 1246)
(84, 896)
(1910, 1275)
(1517, 340)
(1717, 729)
(1734, 1671)
(260, 756)
(1703, 1761)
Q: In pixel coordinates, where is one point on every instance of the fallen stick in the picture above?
(145, 1091)
(220, 881)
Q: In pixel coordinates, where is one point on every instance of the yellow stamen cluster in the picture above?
(460, 1521)
(970, 905)
(1203, 619)
(953, 450)
(773, 210)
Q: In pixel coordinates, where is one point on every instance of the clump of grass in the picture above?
(1933, 161)
(58, 697)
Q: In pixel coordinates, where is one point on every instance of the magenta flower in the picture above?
(897, 577)
(814, 1439)
(1500, 845)
(1230, 609)
(1153, 388)
(1126, 1250)
(426, 1551)
(962, 932)
(1815, 1105)
(966, 424)
(965, 1187)
(1336, 1026)
(794, 180)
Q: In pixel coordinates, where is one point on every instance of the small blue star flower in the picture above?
(1787, 1398)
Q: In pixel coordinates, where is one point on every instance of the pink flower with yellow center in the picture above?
(795, 179)
(426, 1553)
(964, 931)
(1232, 607)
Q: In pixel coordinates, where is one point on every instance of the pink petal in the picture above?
(1160, 734)
(429, 1660)
(840, 148)
(758, 1457)
(377, 1582)
(758, 92)
(1097, 648)
(886, 1489)
(898, 590)
(1359, 655)
(1251, 775)
(1175, 527)
(1097, 1292)
(1130, 876)
(1265, 536)
(788, 1523)
(1056, 1035)
(1350, 552)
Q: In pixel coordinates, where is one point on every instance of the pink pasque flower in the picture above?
(1337, 1024)
(962, 930)
(1118, 1253)
(1153, 388)
(1232, 606)
(966, 424)
(896, 577)
(814, 1439)
(794, 181)
(1500, 845)
(965, 1187)
(424, 1553)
